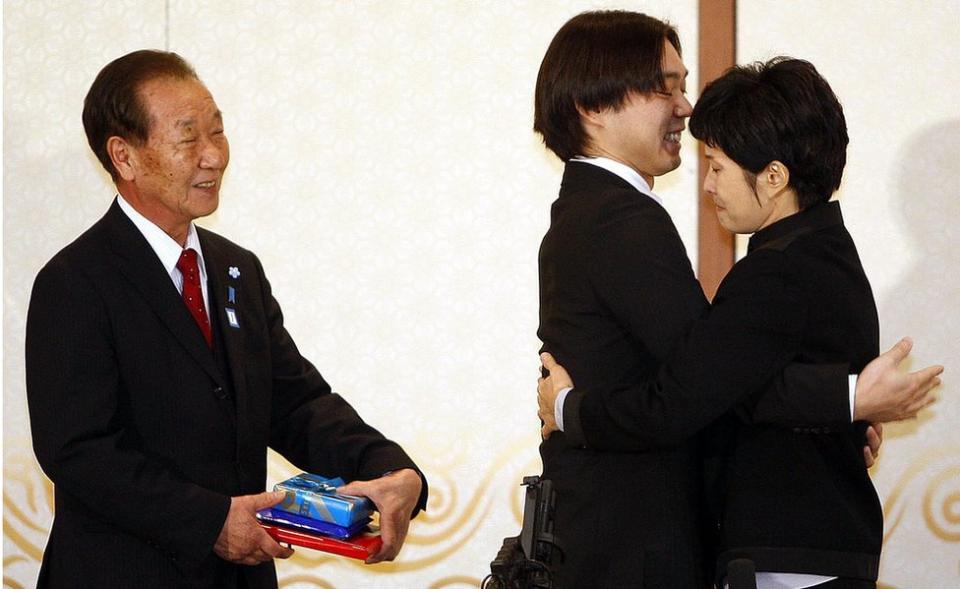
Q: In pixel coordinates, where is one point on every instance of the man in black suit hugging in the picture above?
(159, 370)
(616, 294)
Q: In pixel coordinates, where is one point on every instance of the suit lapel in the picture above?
(139, 264)
(225, 302)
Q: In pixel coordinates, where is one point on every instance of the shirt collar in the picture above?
(623, 171)
(166, 248)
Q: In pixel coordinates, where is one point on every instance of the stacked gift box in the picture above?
(313, 510)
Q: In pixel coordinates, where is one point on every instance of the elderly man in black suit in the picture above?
(616, 294)
(159, 370)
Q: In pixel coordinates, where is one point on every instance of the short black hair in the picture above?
(779, 110)
(113, 106)
(594, 60)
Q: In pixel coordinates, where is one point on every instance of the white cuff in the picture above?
(852, 380)
(558, 407)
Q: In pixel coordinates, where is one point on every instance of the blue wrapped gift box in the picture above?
(286, 519)
(315, 497)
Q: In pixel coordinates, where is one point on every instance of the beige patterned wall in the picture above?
(894, 66)
(384, 169)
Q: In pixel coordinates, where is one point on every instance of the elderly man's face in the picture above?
(181, 165)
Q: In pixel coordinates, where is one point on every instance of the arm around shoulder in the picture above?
(749, 335)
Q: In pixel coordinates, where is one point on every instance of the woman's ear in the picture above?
(776, 175)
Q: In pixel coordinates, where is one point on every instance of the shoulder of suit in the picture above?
(614, 202)
(86, 250)
(628, 209)
(759, 271)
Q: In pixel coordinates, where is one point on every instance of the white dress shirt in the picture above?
(167, 249)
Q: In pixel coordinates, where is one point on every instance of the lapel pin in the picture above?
(231, 295)
(234, 272)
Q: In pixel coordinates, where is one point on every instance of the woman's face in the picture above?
(744, 206)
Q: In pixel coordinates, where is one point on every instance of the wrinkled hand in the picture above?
(885, 394)
(548, 389)
(874, 439)
(242, 540)
(395, 496)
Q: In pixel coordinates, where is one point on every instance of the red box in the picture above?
(360, 546)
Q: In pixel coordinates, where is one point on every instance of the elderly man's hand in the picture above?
(395, 496)
(548, 388)
(242, 540)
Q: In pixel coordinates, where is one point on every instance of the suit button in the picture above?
(220, 393)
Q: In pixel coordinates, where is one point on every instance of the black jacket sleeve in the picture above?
(749, 335)
(804, 395)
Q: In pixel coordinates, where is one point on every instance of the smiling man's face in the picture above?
(177, 172)
(644, 132)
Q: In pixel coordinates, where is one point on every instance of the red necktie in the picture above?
(193, 294)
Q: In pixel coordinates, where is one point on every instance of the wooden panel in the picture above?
(715, 249)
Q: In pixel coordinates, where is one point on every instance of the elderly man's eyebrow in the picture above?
(190, 121)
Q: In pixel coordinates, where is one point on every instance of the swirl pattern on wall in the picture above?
(930, 486)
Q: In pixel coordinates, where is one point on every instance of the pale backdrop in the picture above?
(384, 169)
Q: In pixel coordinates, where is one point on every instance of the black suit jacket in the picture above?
(146, 433)
(616, 294)
(800, 498)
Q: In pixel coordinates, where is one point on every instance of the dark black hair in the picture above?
(779, 110)
(594, 60)
(113, 106)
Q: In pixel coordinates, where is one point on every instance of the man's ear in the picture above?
(591, 118)
(124, 157)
